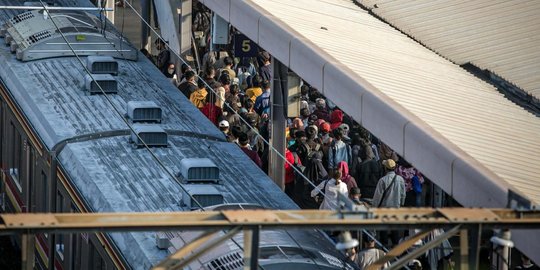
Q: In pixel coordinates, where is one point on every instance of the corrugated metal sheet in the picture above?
(427, 108)
(500, 36)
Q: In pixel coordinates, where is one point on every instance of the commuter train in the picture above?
(66, 147)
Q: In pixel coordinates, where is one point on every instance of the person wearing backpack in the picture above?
(338, 151)
(329, 190)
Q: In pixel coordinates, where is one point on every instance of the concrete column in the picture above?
(185, 18)
(277, 138)
(110, 14)
(145, 30)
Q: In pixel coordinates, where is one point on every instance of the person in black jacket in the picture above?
(367, 173)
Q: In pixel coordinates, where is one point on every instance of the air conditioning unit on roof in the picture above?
(107, 82)
(102, 65)
(152, 135)
(206, 195)
(199, 170)
(143, 111)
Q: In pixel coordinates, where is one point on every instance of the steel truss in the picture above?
(469, 222)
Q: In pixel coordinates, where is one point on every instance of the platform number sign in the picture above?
(244, 47)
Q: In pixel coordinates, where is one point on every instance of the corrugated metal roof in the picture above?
(500, 36)
(464, 110)
(457, 129)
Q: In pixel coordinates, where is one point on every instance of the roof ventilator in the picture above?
(143, 111)
(33, 35)
(107, 82)
(152, 135)
(227, 262)
(199, 170)
(206, 195)
(162, 241)
(102, 65)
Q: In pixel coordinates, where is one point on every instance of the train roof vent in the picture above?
(102, 65)
(143, 111)
(152, 135)
(199, 170)
(205, 195)
(107, 82)
(162, 241)
(227, 262)
(33, 35)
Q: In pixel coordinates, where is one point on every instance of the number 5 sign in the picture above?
(244, 47)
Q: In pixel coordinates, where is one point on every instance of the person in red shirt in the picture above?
(290, 172)
(210, 110)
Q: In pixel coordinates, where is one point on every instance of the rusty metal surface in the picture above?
(268, 219)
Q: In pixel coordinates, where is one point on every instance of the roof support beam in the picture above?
(382, 219)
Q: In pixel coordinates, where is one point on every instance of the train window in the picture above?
(60, 237)
(16, 156)
(44, 202)
(96, 262)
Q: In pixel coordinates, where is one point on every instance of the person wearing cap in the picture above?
(370, 254)
(389, 193)
(355, 195)
(224, 127)
(243, 142)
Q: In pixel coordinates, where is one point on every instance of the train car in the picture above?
(65, 147)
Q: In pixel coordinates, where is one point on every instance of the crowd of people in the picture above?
(327, 151)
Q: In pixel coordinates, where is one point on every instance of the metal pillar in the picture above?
(28, 242)
(110, 13)
(251, 248)
(145, 30)
(185, 27)
(276, 165)
(474, 253)
(463, 250)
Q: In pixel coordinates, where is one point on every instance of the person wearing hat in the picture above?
(347, 244)
(224, 127)
(390, 192)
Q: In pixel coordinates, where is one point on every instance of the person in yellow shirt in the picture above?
(198, 96)
(256, 89)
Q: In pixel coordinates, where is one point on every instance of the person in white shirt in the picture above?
(330, 189)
